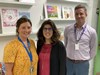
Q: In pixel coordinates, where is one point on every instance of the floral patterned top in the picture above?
(14, 52)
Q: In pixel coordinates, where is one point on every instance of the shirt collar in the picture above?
(84, 25)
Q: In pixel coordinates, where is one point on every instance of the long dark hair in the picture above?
(55, 37)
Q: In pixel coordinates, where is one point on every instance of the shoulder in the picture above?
(12, 47)
(91, 30)
(31, 41)
(69, 26)
(12, 43)
(59, 47)
(59, 44)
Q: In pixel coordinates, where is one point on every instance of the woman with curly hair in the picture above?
(51, 51)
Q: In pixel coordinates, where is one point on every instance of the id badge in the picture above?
(77, 46)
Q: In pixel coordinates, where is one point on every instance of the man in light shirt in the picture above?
(80, 41)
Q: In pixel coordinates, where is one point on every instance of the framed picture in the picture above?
(68, 12)
(52, 11)
(8, 20)
(24, 14)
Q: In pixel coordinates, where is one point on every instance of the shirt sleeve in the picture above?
(65, 37)
(93, 44)
(10, 52)
(62, 59)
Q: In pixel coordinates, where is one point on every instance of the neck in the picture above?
(47, 41)
(79, 25)
(23, 39)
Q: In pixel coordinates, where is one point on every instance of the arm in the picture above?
(9, 68)
(62, 59)
(65, 37)
(93, 45)
(9, 56)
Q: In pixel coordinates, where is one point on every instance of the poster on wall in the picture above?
(8, 20)
(52, 11)
(67, 13)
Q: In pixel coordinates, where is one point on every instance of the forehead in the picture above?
(25, 24)
(47, 25)
(80, 10)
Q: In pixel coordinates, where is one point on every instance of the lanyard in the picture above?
(28, 52)
(77, 40)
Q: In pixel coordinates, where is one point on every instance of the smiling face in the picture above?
(47, 32)
(24, 30)
(80, 16)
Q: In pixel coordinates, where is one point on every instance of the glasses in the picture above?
(49, 29)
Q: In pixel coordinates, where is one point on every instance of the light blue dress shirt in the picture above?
(87, 43)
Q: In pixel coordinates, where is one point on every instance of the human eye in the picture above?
(44, 29)
(23, 27)
(29, 27)
(50, 29)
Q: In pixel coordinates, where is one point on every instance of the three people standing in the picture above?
(80, 40)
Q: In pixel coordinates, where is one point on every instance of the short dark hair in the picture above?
(20, 21)
(55, 37)
(80, 6)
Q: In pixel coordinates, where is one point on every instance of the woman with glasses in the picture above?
(51, 51)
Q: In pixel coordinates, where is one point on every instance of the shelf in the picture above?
(59, 19)
(68, 1)
(77, 1)
(14, 34)
(15, 3)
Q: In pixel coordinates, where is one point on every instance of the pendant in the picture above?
(31, 69)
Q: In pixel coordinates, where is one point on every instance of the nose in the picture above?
(79, 15)
(26, 29)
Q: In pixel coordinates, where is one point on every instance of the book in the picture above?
(68, 12)
(8, 20)
(24, 14)
(2, 68)
(52, 11)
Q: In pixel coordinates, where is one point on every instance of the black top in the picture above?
(57, 58)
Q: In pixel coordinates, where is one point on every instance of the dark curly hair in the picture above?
(55, 37)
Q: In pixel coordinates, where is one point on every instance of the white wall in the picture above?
(93, 22)
(36, 11)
